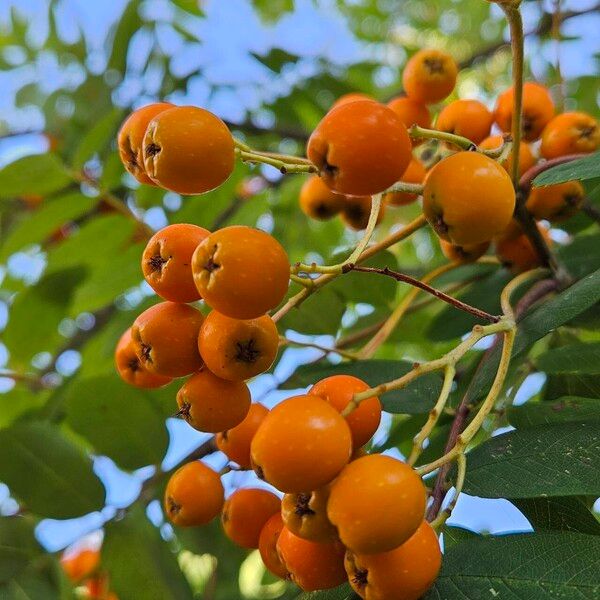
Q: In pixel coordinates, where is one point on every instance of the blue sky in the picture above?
(229, 34)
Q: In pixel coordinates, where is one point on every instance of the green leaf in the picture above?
(120, 421)
(36, 313)
(110, 279)
(39, 174)
(417, 397)
(130, 22)
(97, 138)
(31, 584)
(154, 574)
(548, 460)
(47, 472)
(580, 170)
(568, 409)
(343, 592)
(543, 566)
(536, 324)
(320, 314)
(17, 402)
(457, 535)
(559, 514)
(18, 546)
(576, 358)
(38, 226)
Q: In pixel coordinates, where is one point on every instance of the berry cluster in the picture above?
(345, 514)
(351, 140)
(83, 569)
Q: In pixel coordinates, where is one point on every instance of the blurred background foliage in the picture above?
(77, 447)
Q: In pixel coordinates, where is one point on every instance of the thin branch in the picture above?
(481, 314)
(526, 181)
(591, 211)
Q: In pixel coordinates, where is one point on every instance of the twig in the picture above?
(591, 211)
(526, 181)
(481, 314)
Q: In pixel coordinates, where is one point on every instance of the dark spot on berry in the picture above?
(157, 262)
(134, 365)
(145, 354)
(360, 577)
(210, 264)
(184, 411)
(152, 149)
(247, 352)
(302, 508)
(172, 506)
(434, 65)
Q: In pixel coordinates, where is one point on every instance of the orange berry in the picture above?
(357, 210)
(188, 150)
(556, 202)
(429, 76)
(311, 565)
(211, 404)
(351, 97)
(194, 495)
(538, 109)
(302, 444)
(360, 148)
(241, 272)
(235, 442)
(245, 514)
(236, 349)
(526, 157)
(517, 253)
(131, 136)
(81, 564)
(317, 201)
(130, 368)
(167, 261)
(415, 173)
(411, 113)
(166, 339)
(305, 515)
(338, 391)
(267, 546)
(463, 254)
(468, 198)
(467, 118)
(404, 573)
(570, 133)
(377, 502)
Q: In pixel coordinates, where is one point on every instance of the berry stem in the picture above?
(283, 166)
(401, 277)
(356, 253)
(461, 464)
(392, 322)
(409, 188)
(451, 358)
(324, 279)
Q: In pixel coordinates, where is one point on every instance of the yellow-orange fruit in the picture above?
(556, 202)
(467, 118)
(526, 157)
(305, 515)
(415, 173)
(463, 254)
(517, 253)
(317, 201)
(357, 210)
(411, 113)
(570, 133)
(429, 76)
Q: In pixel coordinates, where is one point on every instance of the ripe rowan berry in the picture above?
(241, 272)
(526, 157)
(246, 512)
(415, 173)
(377, 502)
(429, 76)
(188, 150)
(357, 210)
(467, 118)
(411, 113)
(317, 201)
(404, 573)
(79, 565)
(311, 565)
(516, 252)
(352, 97)
(468, 198)
(570, 133)
(267, 546)
(130, 368)
(211, 404)
(556, 202)
(338, 391)
(302, 444)
(236, 349)
(463, 254)
(194, 495)
(131, 136)
(538, 109)
(360, 148)
(165, 337)
(235, 442)
(305, 515)
(167, 261)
